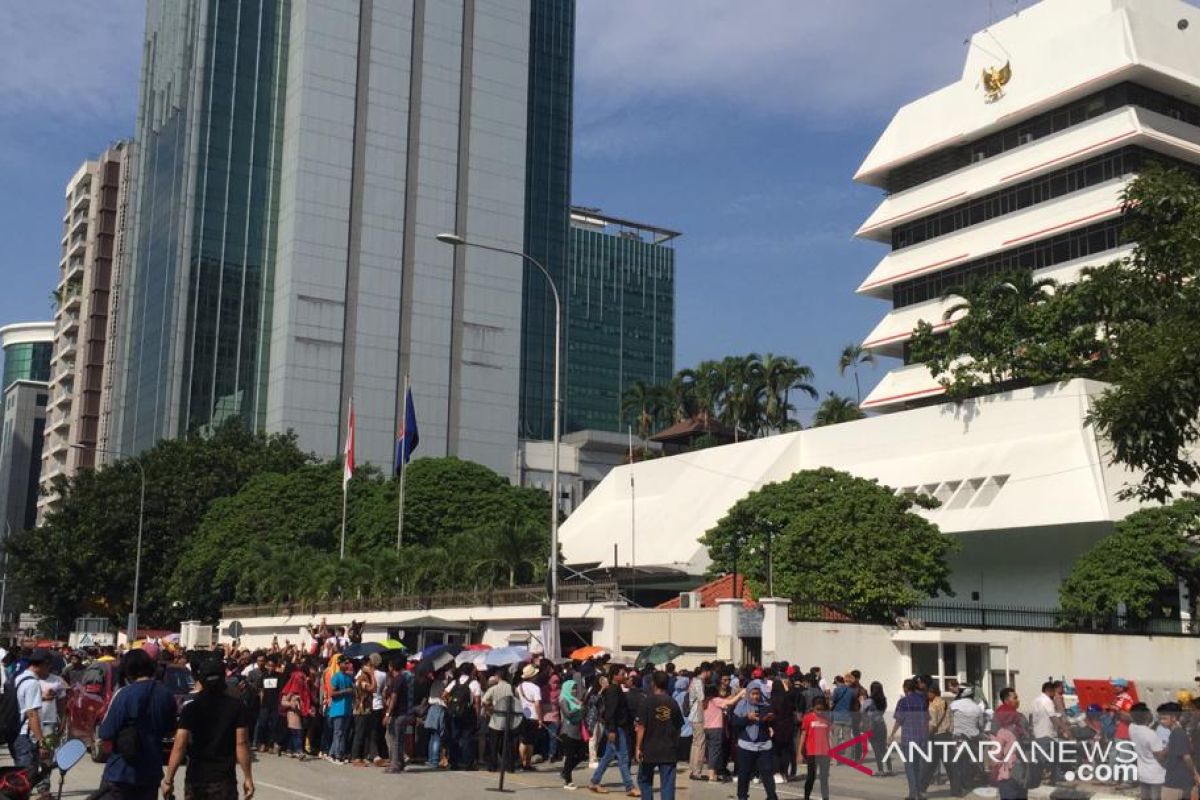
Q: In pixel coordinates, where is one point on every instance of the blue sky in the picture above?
(738, 123)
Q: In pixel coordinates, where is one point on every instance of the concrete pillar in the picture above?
(609, 634)
(729, 645)
(775, 620)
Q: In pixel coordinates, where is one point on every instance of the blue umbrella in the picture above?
(506, 656)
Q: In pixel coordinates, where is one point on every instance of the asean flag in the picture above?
(409, 437)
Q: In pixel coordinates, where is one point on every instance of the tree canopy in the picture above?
(1146, 558)
(836, 538)
(81, 561)
(277, 540)
(834, 409)
(1134, 323)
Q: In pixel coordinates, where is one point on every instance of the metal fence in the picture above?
(517, 596)
(975, 615)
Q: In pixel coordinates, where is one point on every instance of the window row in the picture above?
(1054, 184)
(946, 161)
(1058, 249)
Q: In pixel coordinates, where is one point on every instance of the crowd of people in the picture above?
(763, 725)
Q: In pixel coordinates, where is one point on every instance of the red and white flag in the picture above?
(348, 462)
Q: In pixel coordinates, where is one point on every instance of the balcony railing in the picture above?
(983, 617)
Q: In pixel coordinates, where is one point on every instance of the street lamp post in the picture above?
(137, 564)
(457, 240)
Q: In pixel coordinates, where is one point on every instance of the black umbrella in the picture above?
(363, 649)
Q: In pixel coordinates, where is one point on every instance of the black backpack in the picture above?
(458, 703)
(10, 710)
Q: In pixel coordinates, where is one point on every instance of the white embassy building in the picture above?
(1027, 176)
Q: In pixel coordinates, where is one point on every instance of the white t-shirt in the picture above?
(380, 688)
(474, 687)
(1043, 716)
(531, 700)
(1147, 743)
(53, 689)
(29, 697)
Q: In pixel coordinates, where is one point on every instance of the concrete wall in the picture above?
(692, 629)
(1023, 659)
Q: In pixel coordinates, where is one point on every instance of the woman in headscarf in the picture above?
(296, 701)
(570, 731)
(1008, 771)
(752, 719)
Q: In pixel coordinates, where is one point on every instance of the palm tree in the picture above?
(643, 404)
(742, 394)
(852, 356)
(835, 409)
(781, 374)
(510, 544)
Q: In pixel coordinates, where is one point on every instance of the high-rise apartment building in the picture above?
(1020, 165)
(619, 302)
(296, 161)
(93, 235)
(547, 203)
(27, 347)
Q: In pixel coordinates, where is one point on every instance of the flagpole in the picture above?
(347, 468)
(403, 466)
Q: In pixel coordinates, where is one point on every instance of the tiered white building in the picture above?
(1027, 176)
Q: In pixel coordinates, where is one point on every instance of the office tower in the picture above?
(27, 348)
(297, 161)
(93, 235)
(619, 296)
(1020, 165)
(547, 204)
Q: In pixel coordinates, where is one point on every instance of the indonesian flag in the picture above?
(348, 461)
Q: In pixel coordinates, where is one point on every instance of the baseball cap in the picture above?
(211, 672)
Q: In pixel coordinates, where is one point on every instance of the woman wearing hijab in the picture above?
(570, 732)
(297, 703)
(752, 719)
(1008, 771)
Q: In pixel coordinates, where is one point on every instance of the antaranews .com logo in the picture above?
(1086, 760)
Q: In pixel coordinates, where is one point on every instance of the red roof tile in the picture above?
(720, 589)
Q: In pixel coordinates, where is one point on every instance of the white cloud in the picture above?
(70, 59)
(825, 62)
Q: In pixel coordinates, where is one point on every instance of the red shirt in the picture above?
(816, 734)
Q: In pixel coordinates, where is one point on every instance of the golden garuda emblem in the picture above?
(995, 79)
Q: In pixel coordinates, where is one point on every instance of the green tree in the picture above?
(278, 538)
(780, 375)
(644, 405)
(1149, 554)
(834, 409)
(852, 356)
(1134, 323)
(81, 561)
(835, 538)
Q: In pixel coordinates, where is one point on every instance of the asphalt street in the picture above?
(285, 779)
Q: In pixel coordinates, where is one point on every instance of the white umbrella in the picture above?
(506, 656)
(476, 657)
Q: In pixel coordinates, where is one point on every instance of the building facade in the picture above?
(619, 303)
(80, 365)
(1028, 176)
(547, 204)
(27, 348)
(298, 160)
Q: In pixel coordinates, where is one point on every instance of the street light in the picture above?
(456, 240)
(137, 564)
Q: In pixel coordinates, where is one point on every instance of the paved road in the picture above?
(286, 779)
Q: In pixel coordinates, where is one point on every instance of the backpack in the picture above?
(458, 701)
(10, 711)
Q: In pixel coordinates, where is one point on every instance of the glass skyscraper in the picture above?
(199, 303)
(547, 203)
(619, 300)
(297, 160)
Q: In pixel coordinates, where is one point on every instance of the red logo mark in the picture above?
(863, 739)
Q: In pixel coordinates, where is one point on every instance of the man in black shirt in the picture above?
(214, 735)
(659, 721)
